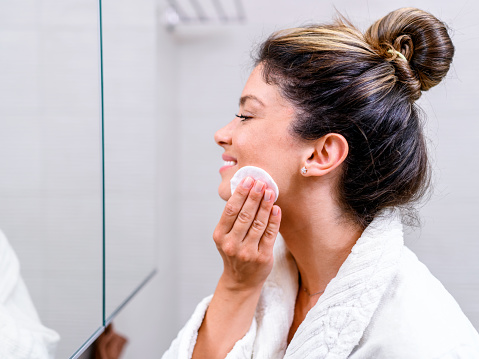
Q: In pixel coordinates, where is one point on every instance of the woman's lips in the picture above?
(229, 162)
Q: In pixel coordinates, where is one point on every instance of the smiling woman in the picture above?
(330, 114)
(256, 137)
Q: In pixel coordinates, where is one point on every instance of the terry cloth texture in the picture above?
(22, 336)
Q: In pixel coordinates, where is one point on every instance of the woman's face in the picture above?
(263, 139)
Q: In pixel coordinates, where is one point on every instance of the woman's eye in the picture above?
(243, 117)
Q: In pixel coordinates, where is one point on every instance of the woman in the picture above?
(329, 112)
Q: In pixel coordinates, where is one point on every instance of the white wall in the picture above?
(203, 75)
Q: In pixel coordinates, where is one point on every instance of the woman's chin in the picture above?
(224, 190)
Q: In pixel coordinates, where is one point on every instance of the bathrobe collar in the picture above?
(334, 326)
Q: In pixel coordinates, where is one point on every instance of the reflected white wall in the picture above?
(50, 163)
(130, 152)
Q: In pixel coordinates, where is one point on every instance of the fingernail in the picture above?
(247, 182)
(267, 195)
(258, 187)
(275, 211)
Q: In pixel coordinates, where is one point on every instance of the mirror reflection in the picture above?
(50, 187)
(130, 150)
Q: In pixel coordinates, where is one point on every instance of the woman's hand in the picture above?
(245, 235)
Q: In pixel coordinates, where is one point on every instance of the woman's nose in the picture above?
(223, 135)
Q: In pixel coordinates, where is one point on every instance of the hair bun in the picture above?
(418, 37)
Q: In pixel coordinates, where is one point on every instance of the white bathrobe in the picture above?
(22, 335)
(383, 303)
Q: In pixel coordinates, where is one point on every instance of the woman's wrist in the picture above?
(241, 289)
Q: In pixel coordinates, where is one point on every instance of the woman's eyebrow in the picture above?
(243, 99)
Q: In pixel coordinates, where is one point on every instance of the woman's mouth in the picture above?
(228, 162)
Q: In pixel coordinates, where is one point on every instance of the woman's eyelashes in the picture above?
(243, 117)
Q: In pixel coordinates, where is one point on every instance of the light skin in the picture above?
(312, 223)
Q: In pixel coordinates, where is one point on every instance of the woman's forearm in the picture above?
(227, 320)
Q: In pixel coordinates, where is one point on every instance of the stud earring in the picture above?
(304, 170)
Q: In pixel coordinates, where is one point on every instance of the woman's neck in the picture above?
(318, 240)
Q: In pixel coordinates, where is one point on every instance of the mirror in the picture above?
(129, 97)
(50, 140)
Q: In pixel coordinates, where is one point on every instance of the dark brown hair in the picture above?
(358, 85)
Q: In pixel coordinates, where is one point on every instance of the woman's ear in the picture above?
(327, 153)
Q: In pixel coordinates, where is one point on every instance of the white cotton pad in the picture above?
(257, 174)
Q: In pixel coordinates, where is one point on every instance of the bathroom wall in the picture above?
(211, 65)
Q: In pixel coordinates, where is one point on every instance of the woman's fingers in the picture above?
(247, 217)
(234, 205)
(268, 238)
(260, 222)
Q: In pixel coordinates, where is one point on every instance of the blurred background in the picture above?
(108, 191)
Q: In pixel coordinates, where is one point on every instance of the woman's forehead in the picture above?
(257, 92)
